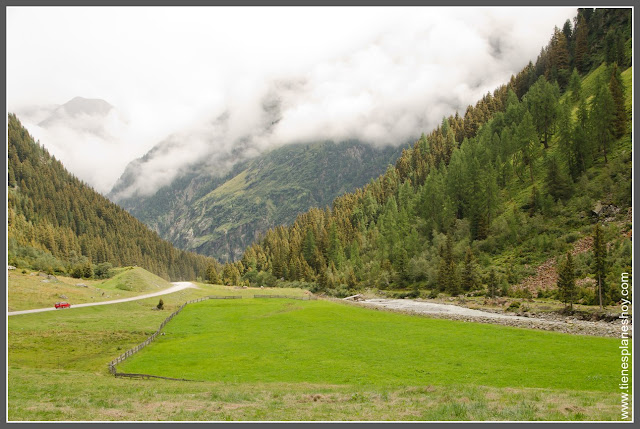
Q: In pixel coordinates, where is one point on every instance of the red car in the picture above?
(62, 305)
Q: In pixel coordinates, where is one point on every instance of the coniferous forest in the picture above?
(58, 224)
(527, 174)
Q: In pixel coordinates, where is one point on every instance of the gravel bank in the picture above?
(567, 325)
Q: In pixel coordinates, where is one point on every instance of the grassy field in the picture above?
(271, 359)
(324, 342)
(29, 290)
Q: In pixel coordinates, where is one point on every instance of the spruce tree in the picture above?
(567, 281)
(469, 275)
(600, 262)
(212, 274)
(492, 284)
(617, 93)
(602, 118)
(575, 86)
(581, 47)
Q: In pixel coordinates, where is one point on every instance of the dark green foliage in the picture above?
(542, 101)
(600, 264)
(575, 86)
(602, 118)
(581, 44)
(557, 181)
(103, 270)
(52, 211)
(492, 284)
(567, 281)
(469, 272)
(448, 280)
(617, 93)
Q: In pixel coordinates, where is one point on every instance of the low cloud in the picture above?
(381, 75)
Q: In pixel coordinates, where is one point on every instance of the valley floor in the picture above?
(57, 367)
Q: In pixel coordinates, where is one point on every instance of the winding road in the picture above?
(177, 286)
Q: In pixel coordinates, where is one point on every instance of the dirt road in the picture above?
(177, 286)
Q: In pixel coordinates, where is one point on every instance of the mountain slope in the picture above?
(479, 200)
(56, 221)
(221, 216)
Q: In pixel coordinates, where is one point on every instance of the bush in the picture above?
(103, 270)
(514, 306)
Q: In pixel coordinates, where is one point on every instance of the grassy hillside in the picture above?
(30, 290)
(136, 279)
(221, 217)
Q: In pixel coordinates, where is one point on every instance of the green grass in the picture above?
(29, 290)
(57, 365)
(49, 395)
(322, 342)
(136, 279)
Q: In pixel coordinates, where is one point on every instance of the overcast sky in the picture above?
(276, 75)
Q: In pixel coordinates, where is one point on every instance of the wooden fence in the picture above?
(301, 298)
(145, 343)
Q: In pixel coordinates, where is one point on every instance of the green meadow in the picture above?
(280, 359)
(279, 340)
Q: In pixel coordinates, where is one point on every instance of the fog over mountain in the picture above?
(224, 84)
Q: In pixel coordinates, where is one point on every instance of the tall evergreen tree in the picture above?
(575, 86)
(492, 283)
(542, 101)
(447, 278)
(617, 93)
(567, 281)
(556, 180)
(600, 262)
(602, 118)
(582, 47)
(469, 272)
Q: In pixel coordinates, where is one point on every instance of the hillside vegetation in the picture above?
(58, 224)
(221, 216)
(523, 177)
(29, 290)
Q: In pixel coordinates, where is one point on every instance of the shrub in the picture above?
(514, 306)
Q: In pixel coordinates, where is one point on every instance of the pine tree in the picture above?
(575, 86)
(492, 283)
(469, 274)
(567, 281)
(602, 118)
(448, 279)
(527, 142)
(556, 180)
(617, 93)
(600, 262)
(542, 102)
(560, 57)
(212, 274)
(581, 49)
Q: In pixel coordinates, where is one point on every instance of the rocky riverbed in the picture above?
(547, 321)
